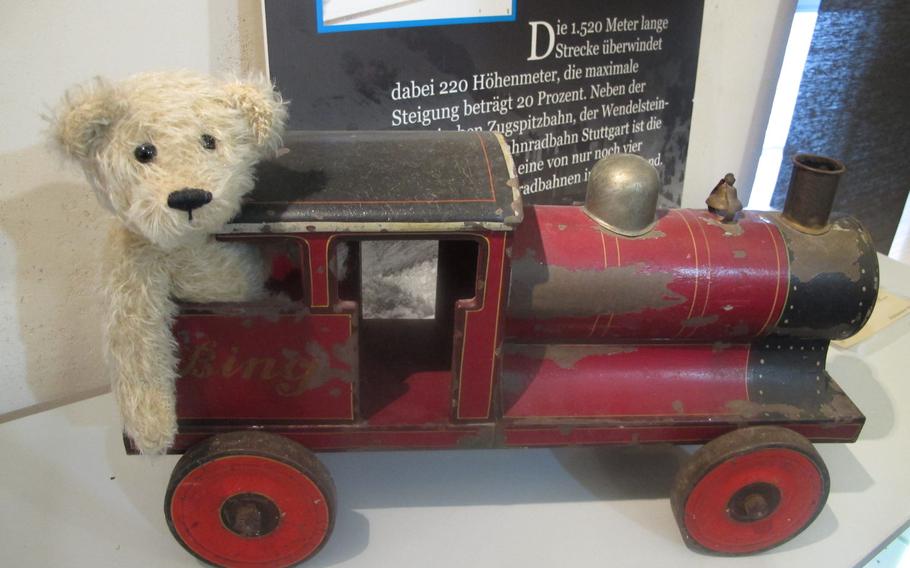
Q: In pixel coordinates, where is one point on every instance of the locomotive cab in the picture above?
(307, 360)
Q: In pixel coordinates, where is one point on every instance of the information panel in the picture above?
(566, 83)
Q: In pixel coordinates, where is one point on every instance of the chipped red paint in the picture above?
(426, 399)
(477, 361)
(675, 433)
(266, 367)
(256, 365)
(591, 381)
(269, 363)
(800, 488)
(553, 434)
(708, 281)
(631, 434)
(321, 438)
(318, 250)
(197, 503)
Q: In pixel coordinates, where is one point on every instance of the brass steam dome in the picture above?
(622, 194)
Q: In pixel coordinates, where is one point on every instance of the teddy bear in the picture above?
(171, 155)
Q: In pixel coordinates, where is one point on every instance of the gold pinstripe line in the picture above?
(746, 372)
(594, 327)
(585, 416)
(467, 316)
(618, 256)
(704, 308)
(603, 242)
(330, 418)
(776, 282)
(783, 243)
(607, 327)
(502, 276)
(328, 294)
(695, 252)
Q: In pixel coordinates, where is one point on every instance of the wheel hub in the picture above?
(753, 502)
(250, 515)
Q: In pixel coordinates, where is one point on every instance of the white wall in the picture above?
(50, 225)
(742, 48)
(51, 228)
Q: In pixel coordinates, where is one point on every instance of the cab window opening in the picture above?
(410, 292)
(399, 279)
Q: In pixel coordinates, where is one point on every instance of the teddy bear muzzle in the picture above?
(187, 199)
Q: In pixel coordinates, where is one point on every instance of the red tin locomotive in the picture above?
(554, 325)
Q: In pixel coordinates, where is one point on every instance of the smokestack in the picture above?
(813, 185)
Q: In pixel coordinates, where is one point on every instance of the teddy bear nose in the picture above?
(187, 199)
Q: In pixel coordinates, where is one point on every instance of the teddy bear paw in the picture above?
(152, 423)
(152, 437)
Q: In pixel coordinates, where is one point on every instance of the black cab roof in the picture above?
(384, 181)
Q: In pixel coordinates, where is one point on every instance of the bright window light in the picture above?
(791, 75)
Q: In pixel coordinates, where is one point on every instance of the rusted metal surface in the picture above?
(600, 394)
(274, 497)
(748, 491)
(359, 437)
(705, 280)
(299, 360)
(692, 401)
(250, 515)
(291, 367)
(573, 281)
(833, 280)
(563, 292)
(777, 380)
(786, 376)
(658, 432)
(810, 197)
(236, 357)
(549, 433)
(573, 382)
(384, 181)
(477, 352)
(560, 332)
(279, 228)
(622, 194)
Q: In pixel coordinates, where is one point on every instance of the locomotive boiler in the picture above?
(681, 299)
(610, 322)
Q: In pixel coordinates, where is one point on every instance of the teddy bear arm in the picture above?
(220, 272)
(141, 348)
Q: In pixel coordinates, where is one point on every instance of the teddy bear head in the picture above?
(171, 154)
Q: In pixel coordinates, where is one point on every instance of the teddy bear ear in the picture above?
(83, 118)
(263, 108)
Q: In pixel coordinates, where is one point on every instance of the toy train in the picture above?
(608, 323)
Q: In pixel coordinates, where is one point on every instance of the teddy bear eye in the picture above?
(208, 141)
(145, 153)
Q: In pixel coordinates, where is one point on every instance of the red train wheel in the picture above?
(250, 499)
(749, 490)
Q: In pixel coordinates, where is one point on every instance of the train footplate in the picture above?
(652, 393)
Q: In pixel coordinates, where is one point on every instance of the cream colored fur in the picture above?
(155, 254)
